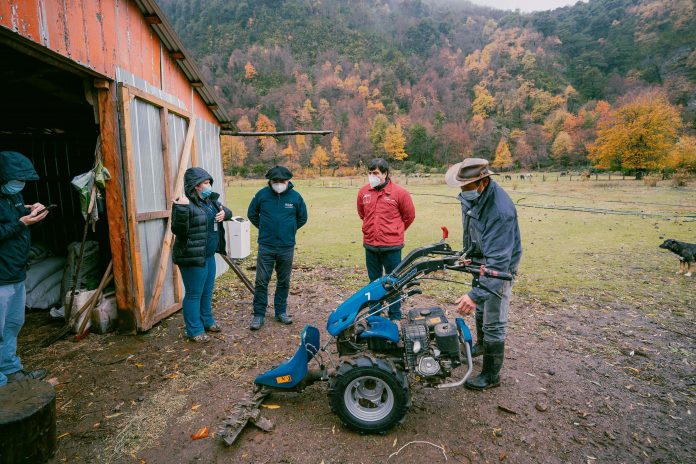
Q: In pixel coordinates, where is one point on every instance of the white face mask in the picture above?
(279, 188)
(374, 180)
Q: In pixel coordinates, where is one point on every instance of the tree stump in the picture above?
(27, 422)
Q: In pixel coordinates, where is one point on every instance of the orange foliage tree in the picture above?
(234, 152)
(395, 142)
(683, 154)
(638, 134)
(249, 71)
(339, 157)
(320, 159)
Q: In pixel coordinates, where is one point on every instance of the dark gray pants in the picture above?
(494, 314)
(266, 260)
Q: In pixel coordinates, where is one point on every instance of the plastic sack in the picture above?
(89, 276)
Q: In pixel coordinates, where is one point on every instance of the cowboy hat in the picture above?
(468, 171)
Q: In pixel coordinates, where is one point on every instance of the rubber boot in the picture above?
(477, 349)
(493, 355)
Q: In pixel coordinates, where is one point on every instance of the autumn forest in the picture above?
(608, 84)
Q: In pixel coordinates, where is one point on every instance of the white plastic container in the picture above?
(240, 231)
(104, 315)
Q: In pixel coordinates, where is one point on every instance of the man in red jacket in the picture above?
(386, 210)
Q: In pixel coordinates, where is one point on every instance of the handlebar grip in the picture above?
(495, 274)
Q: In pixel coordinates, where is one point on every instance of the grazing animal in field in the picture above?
(527, 176)
(686, 253)
(508, 177)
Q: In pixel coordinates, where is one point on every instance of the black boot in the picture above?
(477, 349)
(493, 355)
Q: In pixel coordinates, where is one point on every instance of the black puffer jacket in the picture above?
(190, 222)
(15, 238)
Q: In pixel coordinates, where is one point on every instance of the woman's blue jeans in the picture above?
(198, 300)
(12, 299)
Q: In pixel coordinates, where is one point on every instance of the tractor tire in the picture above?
(369, 394)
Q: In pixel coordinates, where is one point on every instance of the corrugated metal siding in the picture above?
(209, 158)
(150, 189)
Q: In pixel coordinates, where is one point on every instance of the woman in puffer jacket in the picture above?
(197, 225)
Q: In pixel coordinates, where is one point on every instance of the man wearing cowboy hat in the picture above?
(491, 234)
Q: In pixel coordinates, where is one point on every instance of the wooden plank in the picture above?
(115, 206)
(237, 270)
(171, 309)
(164, 127)
(167, 242)
(194, 155)
(156, 101)
(149, 216)
(138, 295)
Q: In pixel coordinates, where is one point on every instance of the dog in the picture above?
(687, 255)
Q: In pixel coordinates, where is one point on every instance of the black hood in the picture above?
(193, 177)
(16, 166)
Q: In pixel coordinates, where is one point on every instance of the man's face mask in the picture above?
(471, 195)
(12, 187)
(374, 179)
(279, 187)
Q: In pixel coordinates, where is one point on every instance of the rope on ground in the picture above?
(418, 441)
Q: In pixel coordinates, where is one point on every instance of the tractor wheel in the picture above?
(369, 394)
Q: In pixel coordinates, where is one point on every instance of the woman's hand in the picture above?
(182, 200)
(220, 216)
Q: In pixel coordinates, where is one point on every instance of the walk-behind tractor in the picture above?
(369, 384)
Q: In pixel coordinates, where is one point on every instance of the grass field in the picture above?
(567, 253)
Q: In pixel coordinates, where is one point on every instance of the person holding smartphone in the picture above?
(15, 241)
(197, 225)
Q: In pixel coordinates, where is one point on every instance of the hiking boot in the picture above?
(213, 328)
(284, 319)
(256, 323)
(36, 374)
(202, 338)
(493, 355)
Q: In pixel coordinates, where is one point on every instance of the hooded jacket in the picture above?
(15, 238)
(492, 231)
(190, 222)
(277, 216)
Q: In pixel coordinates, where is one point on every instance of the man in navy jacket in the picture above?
(277, 210)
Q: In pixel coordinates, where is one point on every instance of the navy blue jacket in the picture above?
(277, 216)
(491, 227)
(15, 238)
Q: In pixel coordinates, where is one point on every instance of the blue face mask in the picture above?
(470, 195)
(206, 192)
(12, 187)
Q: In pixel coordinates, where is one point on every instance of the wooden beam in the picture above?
(178, 55)
(153, 19)
(168, 194)
(138, 294)
(101, 84)
(149, 216)
(156, 101)
(196, 84)
(275, 133)
(115, 206)
(213, 107)
(165, 253)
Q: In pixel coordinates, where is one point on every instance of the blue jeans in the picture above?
(198, 300)
(380, 263)
(12, 299)
(266, 260)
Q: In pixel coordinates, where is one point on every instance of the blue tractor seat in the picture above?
(291, 372)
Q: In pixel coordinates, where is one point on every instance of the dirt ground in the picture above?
(589, 381)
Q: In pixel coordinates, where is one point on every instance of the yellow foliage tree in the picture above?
(395, 142)
(234, 152)
(264, 124)
(562, 147)
(291, 153)
(638, 134)
(320, 159)
(503, 157)
(683, 155)
(484, 102)
(249, 71)
(339, 157)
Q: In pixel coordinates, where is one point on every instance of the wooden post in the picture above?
(167, 242)
(115, 203)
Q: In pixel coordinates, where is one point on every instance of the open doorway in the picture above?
(48, 114)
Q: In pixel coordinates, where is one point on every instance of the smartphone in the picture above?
(49, 208)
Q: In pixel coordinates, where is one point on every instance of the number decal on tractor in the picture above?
(284, 379)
